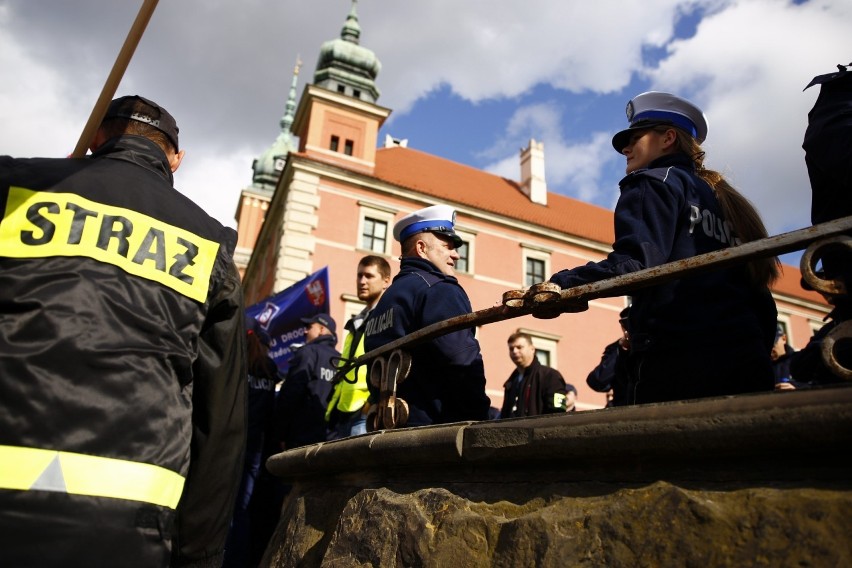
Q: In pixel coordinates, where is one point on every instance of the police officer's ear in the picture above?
(421, 246)
(175, 159)
(669, 138)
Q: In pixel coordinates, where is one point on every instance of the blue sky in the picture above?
(470, 81)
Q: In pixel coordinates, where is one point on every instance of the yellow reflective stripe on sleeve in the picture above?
(26, 469)
(42, 224)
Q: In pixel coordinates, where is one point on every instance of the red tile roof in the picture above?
(452, 182)
(790, 284)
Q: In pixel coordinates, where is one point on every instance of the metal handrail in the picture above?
(547, 300)
(573, 299)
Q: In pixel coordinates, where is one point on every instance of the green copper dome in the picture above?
(346, 67)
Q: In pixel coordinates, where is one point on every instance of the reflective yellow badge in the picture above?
(40, 224)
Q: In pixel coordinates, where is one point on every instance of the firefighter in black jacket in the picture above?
(122, 356)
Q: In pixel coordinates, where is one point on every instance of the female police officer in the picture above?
(705, 335)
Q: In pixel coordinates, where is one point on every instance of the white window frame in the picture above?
(378, 213)
(534, 253)
(470, 238)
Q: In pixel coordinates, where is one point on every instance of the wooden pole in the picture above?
(111, 85)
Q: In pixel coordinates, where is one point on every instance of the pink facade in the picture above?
(339, 195)
(340, 200)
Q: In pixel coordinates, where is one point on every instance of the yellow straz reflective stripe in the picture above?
(40, 224)
(33, 469)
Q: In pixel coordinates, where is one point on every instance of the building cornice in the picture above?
(378, 185)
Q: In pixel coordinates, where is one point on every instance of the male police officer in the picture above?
(348, 407)
(122, 356)
(447, 378)
(304, 395)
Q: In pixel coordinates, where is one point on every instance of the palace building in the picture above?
(329, 190)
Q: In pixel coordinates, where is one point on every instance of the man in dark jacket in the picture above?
(447, 378)
(122, 356)
(533, 388)
(307, 388)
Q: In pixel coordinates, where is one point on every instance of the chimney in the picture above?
(532, 172)
(390, 142)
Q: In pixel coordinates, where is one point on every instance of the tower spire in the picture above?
(351, 28)
(267, 168)
(290, 109)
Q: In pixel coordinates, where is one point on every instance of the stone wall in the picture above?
(758, 480)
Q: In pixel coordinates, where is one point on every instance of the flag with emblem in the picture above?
(280, 315)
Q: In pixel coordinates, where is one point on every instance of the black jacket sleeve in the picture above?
(294, 392)
(218, 430)
(602, 377)
(645, 221)
(552, 383)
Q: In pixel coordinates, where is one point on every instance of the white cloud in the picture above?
(576, 165)
(37, 120)
(747, 66)
(484, 49)
(214, 181)
(224, 71)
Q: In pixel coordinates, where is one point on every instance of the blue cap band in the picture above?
(673, 117)
(433, 225)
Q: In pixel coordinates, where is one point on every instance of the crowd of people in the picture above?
(140, 406)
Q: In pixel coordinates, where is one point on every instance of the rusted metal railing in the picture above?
(390, 363)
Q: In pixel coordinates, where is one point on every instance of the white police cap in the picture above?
(655, 108)
(440, 219)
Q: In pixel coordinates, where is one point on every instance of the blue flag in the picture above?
(280, 315)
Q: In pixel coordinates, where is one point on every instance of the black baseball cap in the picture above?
(323, 319)
(134, 107)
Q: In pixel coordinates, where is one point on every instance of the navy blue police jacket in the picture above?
(447, 378)
(305, 393)
(667, 213)
(261, 404)
(122, 342)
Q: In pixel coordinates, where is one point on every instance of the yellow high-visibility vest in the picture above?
(34, 469)
(350, 396)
